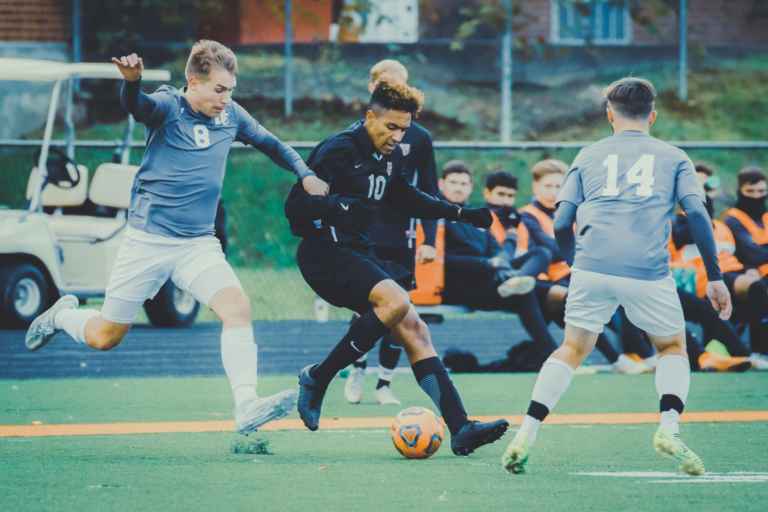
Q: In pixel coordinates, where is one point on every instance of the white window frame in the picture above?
(554, 28)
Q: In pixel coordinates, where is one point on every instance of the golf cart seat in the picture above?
(57, 197)
(111, 187)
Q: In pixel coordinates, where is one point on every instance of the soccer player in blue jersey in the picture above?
(622, 192)
(170, 230)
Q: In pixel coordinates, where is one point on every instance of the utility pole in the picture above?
(506, 74)
(288, 107)
(682, 85)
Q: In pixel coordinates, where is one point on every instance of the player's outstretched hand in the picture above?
(130, 66)
(314, 186)
(478, 217)
(720, 298)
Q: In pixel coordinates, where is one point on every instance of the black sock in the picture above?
(389, 352)
(361, 364)
(537, 410)
(434, 380)
(669, 402)
(360, 338)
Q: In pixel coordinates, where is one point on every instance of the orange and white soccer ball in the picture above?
(417, 433)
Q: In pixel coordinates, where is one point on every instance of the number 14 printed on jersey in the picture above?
(640, 174)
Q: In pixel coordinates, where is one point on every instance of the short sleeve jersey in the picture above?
(626, 188)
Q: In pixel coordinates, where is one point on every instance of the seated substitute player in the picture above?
(500, 193)
(394, 235)
(337, 260)
(170, 230)
(477, 271)
(747, 288)
(621, 192)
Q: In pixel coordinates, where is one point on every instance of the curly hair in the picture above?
(396, 96)
(205, 54)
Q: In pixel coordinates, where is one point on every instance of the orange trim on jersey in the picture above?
(688, 256)
(559, 269)
(497, 229)
(759, 235)
(430, 277)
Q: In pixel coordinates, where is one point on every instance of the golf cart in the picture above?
(66, 241)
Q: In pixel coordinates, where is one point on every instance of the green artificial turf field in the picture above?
(358, 469)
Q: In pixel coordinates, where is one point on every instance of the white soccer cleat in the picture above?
(385, 396)
(518, 285)
(759, 361)
(627, 366)
(353, 388)
(255, 413)
(669, 444)
(515, 457)
(43, 328)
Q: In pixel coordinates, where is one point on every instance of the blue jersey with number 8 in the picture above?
(626, 188)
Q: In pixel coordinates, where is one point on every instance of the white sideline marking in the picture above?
(663, 477)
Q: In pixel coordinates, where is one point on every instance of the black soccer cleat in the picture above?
(474, 434)
(310, 399)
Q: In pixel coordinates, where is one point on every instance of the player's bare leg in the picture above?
(85, 326)
(553, 380)
(673, 378)
(240, 359)
(466, 436)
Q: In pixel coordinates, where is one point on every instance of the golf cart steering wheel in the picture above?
(59, 174)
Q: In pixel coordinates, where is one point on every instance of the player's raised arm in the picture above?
(146, 108)
(252, 132)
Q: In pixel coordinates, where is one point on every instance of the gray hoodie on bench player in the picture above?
(179, 182)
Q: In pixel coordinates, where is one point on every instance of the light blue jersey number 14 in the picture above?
(640, 174)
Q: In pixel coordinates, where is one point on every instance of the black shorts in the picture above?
(343, 276)
(403, 256)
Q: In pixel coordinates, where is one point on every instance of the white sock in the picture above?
(673, 377)
(240, 359)
(386, 373)
(73, 321)
(553, 380)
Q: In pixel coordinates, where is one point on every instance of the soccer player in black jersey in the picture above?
(363, 168)
(394, 235)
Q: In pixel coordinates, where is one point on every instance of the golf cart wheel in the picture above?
(172, 307)
(24, 294)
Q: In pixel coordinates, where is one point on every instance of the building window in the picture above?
(580, 22)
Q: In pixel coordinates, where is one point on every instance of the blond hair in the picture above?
(547, 167)
(206, 54)
(387, 67)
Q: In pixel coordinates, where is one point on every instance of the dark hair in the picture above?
(751, 175)
(205, 54)
(500, 179)
(631, 97)
(704, 168)
(396, 96)
(456, 167)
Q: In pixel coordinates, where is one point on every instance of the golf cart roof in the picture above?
(35, 70)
